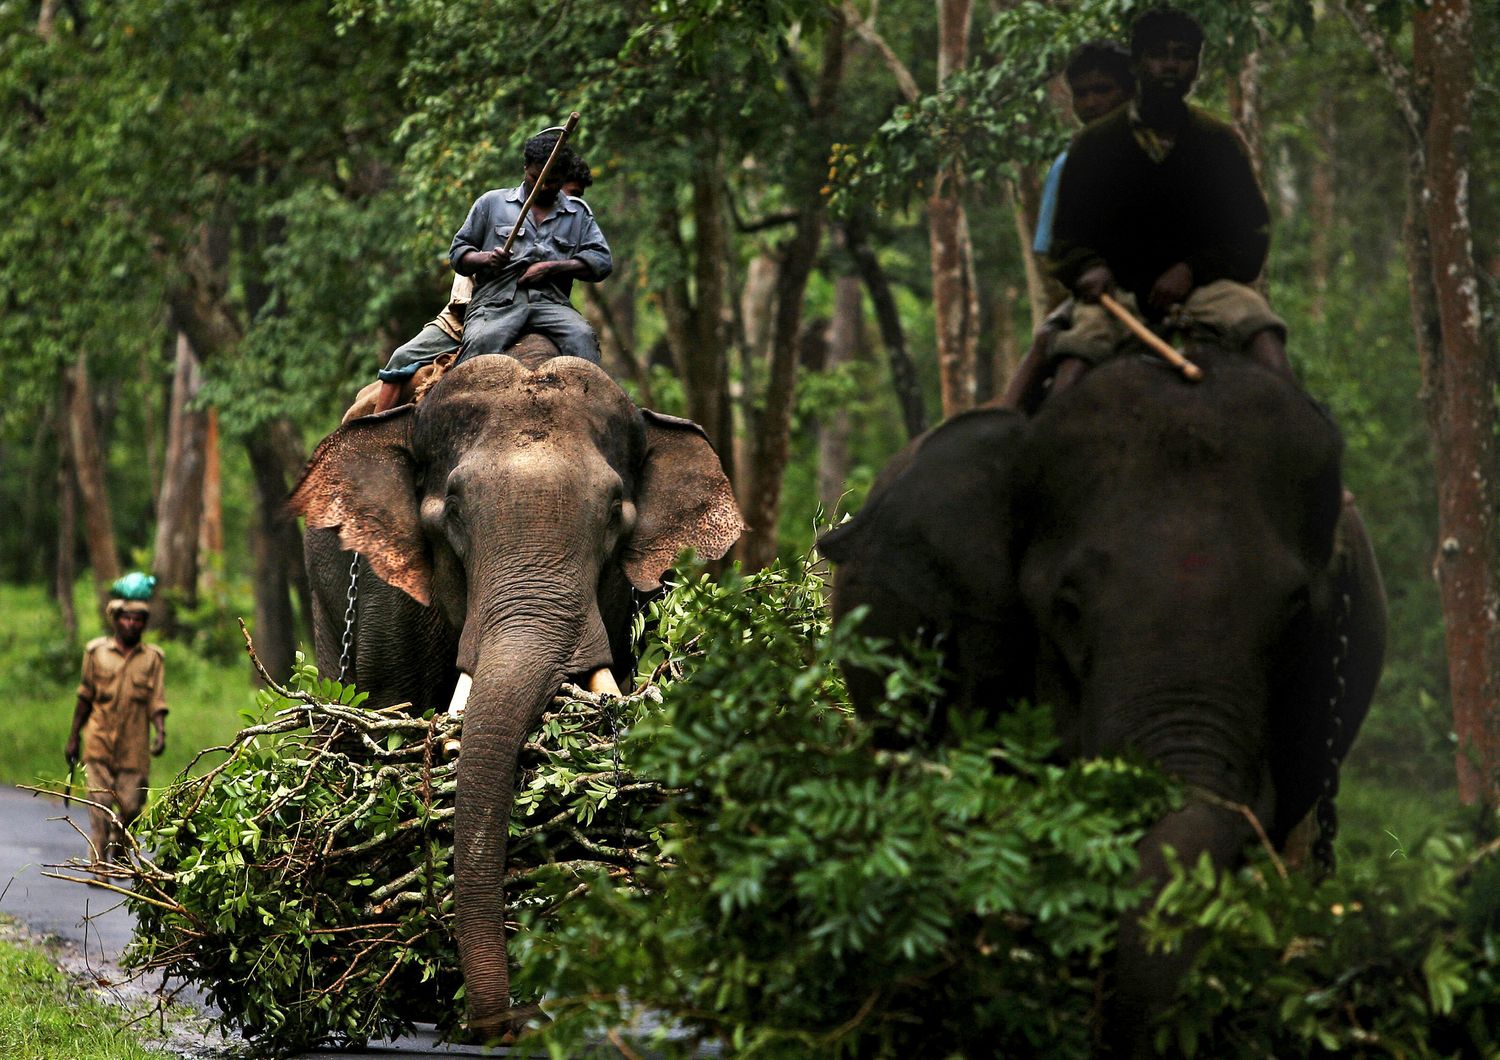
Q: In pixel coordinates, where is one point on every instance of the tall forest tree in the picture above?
(1434, 92)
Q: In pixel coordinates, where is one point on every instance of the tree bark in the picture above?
(66, 572)
(1042, 293)
(46, 19)
(276, 461)
(772, 443)
(1007, 350)
(1459, 380)
(88, 467)
(705, 361)
(1321, 200)
(888, 319)
(955, 302)
(179, 509)
(844, 336)
(211, 528)
(1435, 100)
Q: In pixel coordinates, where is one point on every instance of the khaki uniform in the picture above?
(125, 692)
(1223, 313)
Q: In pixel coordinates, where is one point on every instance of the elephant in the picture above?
(1174, 568)
(503, 525)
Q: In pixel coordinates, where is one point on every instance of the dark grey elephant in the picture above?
(506, 520)
(1171, 566)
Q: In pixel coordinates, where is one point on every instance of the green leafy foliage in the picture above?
(305, 884)
(1393, 957)
(828, 898)
(825, 898)
(739, 862)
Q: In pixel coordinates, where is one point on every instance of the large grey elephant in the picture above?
(1172, 567)
(503, 524)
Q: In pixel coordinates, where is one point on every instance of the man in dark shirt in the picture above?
(1100, 78)
(1159, 201)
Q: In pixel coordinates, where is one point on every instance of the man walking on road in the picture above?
(121, 713)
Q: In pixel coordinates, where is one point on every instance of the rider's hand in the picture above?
(159, 740)
(1171, 287)
(486, 259)
(70, 752)
(1094, 282)
(535, 273)
(496, 257)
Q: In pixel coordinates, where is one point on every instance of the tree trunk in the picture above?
(1245, 109)
(1007, 350)
(275, 546)
(1042, 293)
(1321, 200)
(705, 361)
(844, 336)
(179, 509)
(66, 572)
(955, 303)
(757, 300)
(150, 433)
(88, 467)
(211, 528)
(888, 319)
(46, 19)
(1459, 382)
(772, 443)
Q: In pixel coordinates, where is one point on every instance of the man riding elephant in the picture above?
(499, 294)
(1160, 201)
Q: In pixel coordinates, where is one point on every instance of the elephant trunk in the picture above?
(1145, 982)
(511, 686)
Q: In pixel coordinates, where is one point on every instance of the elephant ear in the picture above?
(683, 500)
(935, 534)
(361, 480)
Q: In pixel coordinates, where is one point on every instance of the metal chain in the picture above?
(352, 596)
(611, 712)
(1327, 813)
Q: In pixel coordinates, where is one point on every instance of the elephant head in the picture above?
(515, 507)
(1170, 566)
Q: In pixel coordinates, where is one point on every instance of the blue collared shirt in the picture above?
(1047, 211)
(569, 231)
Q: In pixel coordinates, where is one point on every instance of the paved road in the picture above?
(35, 833)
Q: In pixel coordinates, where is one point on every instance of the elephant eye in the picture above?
(1067, 606)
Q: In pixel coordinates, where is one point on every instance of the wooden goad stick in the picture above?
(572, 123)
(1150, 338)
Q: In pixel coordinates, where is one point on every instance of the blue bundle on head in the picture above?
(133, 586)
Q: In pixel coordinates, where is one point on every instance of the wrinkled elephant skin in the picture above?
(1170, 566)
(502, 524)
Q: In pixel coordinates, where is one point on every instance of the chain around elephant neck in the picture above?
(352, 597)
(1327, 813)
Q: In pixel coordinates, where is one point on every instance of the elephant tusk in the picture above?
(601, 681)
(456, 707)
(460, 698)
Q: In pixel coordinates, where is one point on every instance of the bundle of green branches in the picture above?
(304, 884)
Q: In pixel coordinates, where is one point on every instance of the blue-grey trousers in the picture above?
(491, 328)
(429, 344)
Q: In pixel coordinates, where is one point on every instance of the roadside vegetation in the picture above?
(44, 1016)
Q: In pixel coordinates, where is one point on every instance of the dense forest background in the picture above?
(219, 221)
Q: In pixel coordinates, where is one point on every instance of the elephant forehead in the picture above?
(565, 401)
